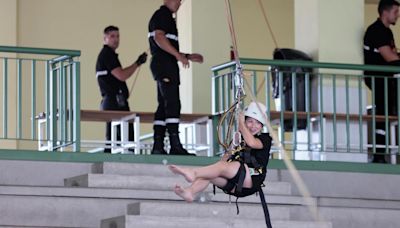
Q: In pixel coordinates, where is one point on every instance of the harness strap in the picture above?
(265, 208)
(237, 206)
(242, 176)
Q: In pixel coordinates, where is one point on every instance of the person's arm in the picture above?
(163, 42)
(123, 74)
(195, 57)
(388, 53)
(250, 140)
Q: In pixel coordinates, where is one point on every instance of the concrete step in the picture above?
(129, 221)
(207, 210)
(85, 207)
(38, 226)
(141, 169)
(40, 173)
(132, 169)
(351, 217)
(136, 194)
(151, 182)
(36, 211)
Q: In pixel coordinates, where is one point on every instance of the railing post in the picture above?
(53, 107)
(321, 111)
(308, 109)
(19, 99)
(77, 108)
(294, 108)
(334, 113)
(5, 98)
(48, 102)
(373, 116)
(360, 113)
(33, 99)
(347, 114)
(386, 91)
(282, 109)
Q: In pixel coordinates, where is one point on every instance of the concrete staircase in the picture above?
(114, 195)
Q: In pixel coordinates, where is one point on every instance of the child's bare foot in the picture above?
(187, 173)
(183, 193)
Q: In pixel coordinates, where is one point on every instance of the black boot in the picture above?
(176, 146)
(159, 134)
(158, 146)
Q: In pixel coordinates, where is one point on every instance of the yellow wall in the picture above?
(76, 24)
(206, 32)
(254, 38)
(8, 36)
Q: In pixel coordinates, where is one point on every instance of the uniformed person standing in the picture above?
(111, 78)
(164, 46)
(380, 49)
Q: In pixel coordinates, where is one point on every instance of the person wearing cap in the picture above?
(380, 49)
(111, 78)
(164, 47)
(225, 174)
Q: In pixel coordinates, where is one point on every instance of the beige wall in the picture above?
(78, 24)
(371, 14)
(208, 33)
(254, 38)
(8, 37)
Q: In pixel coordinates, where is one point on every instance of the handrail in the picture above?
(40, 51)
(298, 96)
(60, 79)
(309, 64)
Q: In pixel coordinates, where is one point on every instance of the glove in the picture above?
(141, 59)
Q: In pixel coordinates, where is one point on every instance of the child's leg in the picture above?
(190, 192)
(219, 169)
(199, 185)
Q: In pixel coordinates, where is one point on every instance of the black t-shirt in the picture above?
(108, 83)
(162, 63)
(262, 155)
(376, 36)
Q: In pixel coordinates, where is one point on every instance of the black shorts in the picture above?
(233, 182)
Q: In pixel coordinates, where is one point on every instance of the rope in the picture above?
(134, 81)
(311, 204)
(238, 80)
(289, 164)
(272, 36)
(267, 22)
(137, 75)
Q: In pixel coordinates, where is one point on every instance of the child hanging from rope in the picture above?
(240, 174)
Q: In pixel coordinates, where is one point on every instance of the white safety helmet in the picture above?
(256, 110)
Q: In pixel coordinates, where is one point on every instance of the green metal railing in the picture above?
(40, 87)
(332, 98)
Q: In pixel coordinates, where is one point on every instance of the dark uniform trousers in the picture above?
(169, 108)
(109, 102)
